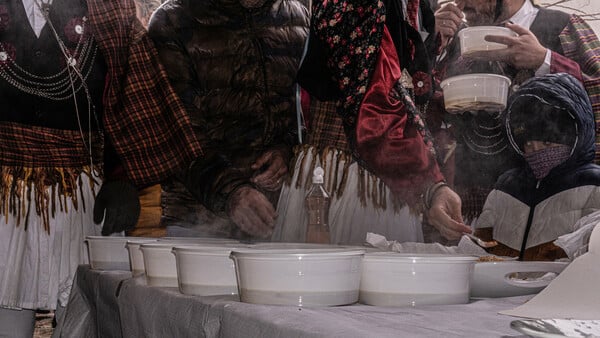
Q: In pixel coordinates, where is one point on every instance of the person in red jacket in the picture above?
(366, 130)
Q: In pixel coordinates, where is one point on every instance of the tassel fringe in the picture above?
(370, 187)
(53, 187)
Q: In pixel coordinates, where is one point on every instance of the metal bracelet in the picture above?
(430, 193)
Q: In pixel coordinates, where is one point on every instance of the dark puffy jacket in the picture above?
(525, 212)
(234, 68)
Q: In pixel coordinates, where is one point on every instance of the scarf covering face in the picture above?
(544, 160)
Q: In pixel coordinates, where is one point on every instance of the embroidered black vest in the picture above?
(46, 112)
(43, 58)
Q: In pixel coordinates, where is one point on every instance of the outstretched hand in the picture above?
(252, 212)
(445, 214)
(118, 204)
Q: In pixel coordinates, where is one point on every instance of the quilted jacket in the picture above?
(525, 212)
(234, 69)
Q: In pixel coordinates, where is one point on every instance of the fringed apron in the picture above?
(360, 202)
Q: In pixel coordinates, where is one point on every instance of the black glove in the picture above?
(118, 203)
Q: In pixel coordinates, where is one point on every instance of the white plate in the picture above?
(548, 328)
(512, 278)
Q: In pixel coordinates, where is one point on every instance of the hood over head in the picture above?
(554, 108)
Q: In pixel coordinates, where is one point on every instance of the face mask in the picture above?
(544, 160)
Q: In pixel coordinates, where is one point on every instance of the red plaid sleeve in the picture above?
(143, 117)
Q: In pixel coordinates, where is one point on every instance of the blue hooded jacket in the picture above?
(525, 212)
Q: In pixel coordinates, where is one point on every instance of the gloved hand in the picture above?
(118, 203)
(252, 212)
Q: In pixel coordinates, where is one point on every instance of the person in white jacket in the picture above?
(550, 124)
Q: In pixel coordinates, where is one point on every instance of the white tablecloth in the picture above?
(112, 304)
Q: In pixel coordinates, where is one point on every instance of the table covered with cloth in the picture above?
(115, 304)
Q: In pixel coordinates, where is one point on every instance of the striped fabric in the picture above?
(24, 146)
(143, 116)
(327, 130)
(580, 43)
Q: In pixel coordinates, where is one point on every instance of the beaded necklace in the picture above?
(485, 139)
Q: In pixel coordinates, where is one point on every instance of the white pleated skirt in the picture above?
(349, 219)
(37, 267)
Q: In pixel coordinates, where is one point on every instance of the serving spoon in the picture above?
(481, 242)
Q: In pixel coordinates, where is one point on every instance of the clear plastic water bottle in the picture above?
(317, 206)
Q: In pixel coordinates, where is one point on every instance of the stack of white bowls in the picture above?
(294, 274)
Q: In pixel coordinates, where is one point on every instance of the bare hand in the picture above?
(445, 214)
(523, 51)
(448, 19)
(252, 212)
(271, 178)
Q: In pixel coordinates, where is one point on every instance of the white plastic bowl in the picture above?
(205, 270)
(135, 255)
(395, 279)
(108, 252)
(160, 263)
(300, 277)
(472, 39)
(475, 92)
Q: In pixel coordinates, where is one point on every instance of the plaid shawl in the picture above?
(40, 158)
(580, 43)
(143, 116)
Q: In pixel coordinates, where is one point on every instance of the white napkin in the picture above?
(574, 294)
(465, 246)
(575, 243)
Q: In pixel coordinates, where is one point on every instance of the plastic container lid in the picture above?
(419, 258)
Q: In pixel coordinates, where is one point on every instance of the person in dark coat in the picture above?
(233, 63)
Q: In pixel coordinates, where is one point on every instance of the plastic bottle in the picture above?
(317, 206)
